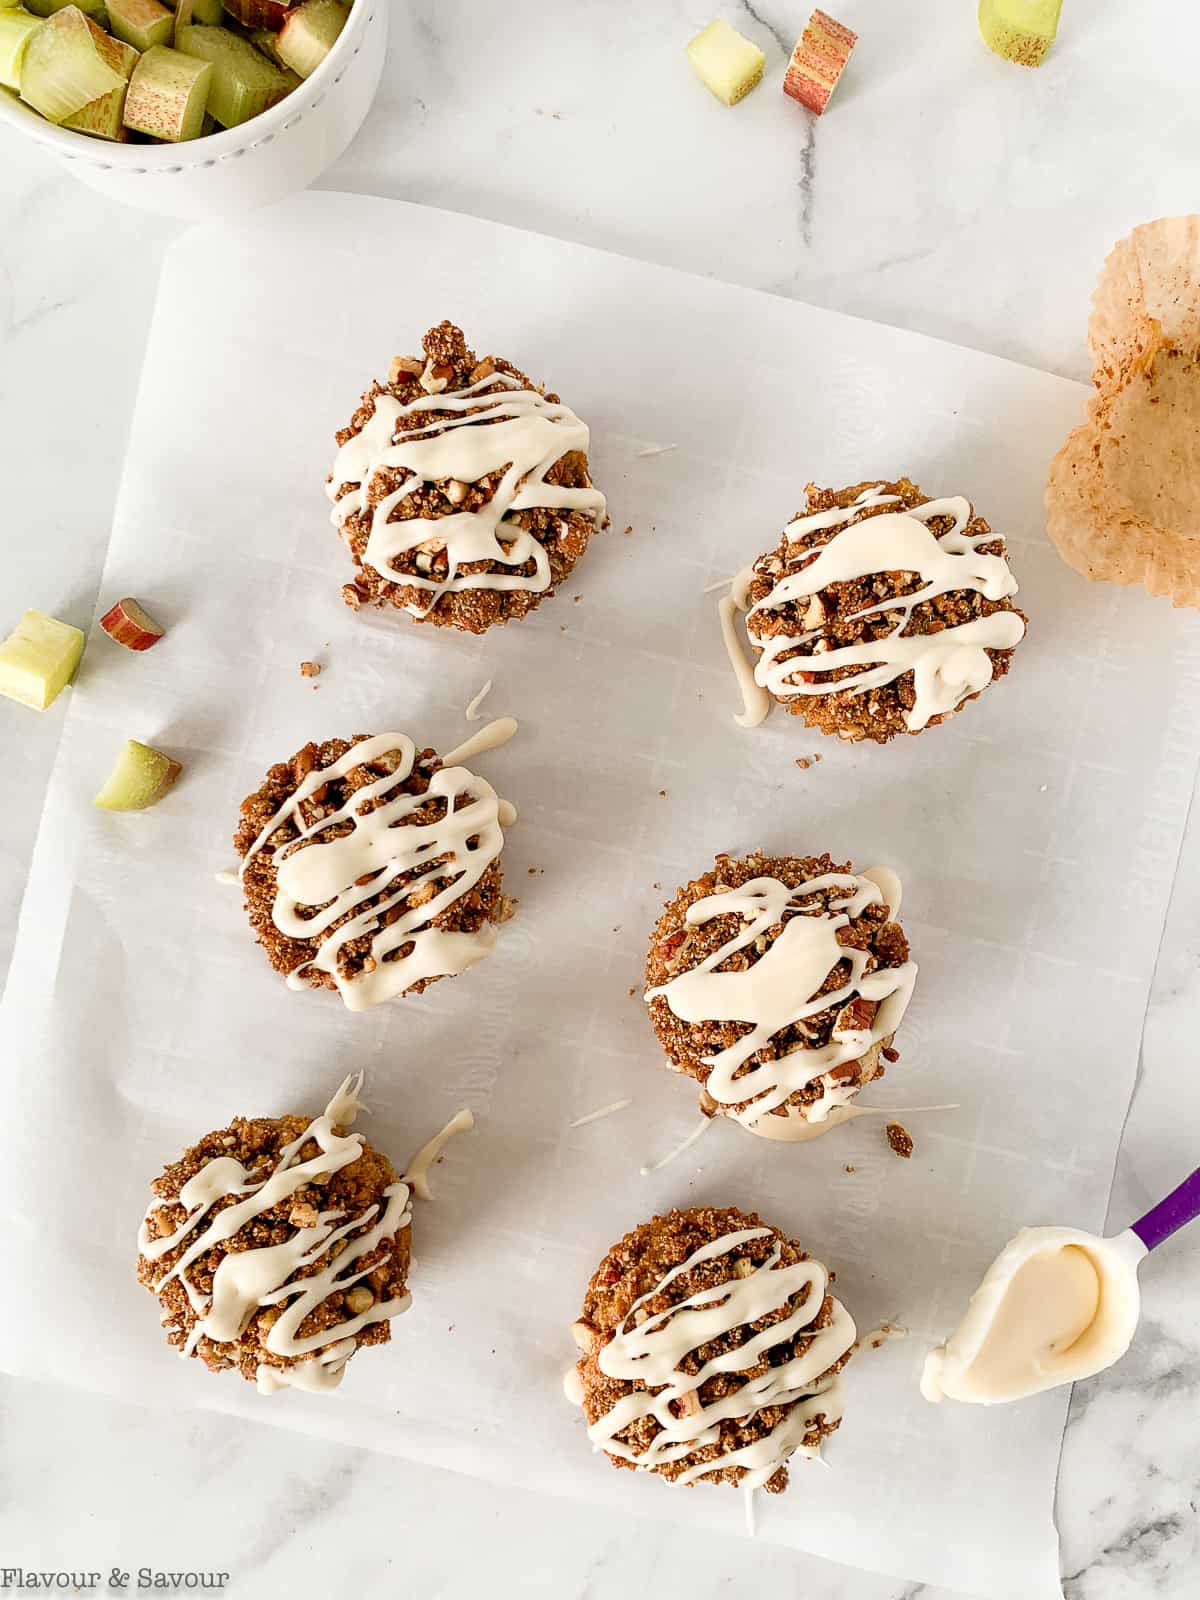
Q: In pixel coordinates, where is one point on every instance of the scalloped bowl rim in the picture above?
(216, 147)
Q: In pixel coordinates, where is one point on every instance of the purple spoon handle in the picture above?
(1169, 1215)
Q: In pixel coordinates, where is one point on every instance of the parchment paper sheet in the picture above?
(1037, 836)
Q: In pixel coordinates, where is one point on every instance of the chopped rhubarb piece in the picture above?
(129, 625)
(725, 62)
(209, 12)
(141, 23)
(103, 118)
(47, 8)
(16, 29)
(263, 39)
(1019, 30)
(244, 82)
(168, 96)
(140, 778)
(38, 659)
(66, 65)
(310, 33)
(258, 13)
(121, 57)
(818, 61)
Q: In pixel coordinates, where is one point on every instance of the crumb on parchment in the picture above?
(900, 1140)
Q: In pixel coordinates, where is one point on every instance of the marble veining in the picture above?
(944, 191)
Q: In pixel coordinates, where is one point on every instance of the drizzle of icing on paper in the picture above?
(599, 1114)
(490, 737)
(473, 713)
(416, 1174)
(652, 1167)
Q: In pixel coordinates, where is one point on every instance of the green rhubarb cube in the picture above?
(244, 82)
(47, 8)
(168, 95)
(38, 659)
(209, 12)
(69, 62)
(1019, 30)
(141, 23)
(16, 29)
(309, 33)
(140, 778)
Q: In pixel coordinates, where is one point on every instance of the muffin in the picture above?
(279, 1246)
(461, 489)
(370, 868)
(880, 612)
(1123, 493)
(724, 1394)
(777, 983)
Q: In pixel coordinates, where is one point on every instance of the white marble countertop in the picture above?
(945, 192)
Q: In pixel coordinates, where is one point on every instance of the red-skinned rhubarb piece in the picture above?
(818, 61)
(129, 625)
(258, 13)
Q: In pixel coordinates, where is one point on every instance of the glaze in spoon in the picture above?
(1057, 1304)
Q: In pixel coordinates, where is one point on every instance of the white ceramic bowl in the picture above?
(277, 153)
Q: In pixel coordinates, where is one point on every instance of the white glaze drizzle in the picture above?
(656, 450)
(325, 873)
(470, 433)
(573, 1386)
(673, 1155)
(473, 713)
(794, 1128)
(317, 1375)
(598, 1115)
(227, 876)
(946, 666)
(748, 1505)
(490, 737)
(652, 1349)
(778, 990)
(417, 1172)
(248, 1279)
